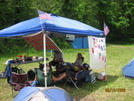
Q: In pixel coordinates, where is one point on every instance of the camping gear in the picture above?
(90, 77)
(102, 76)
(41, 76)
(81, 78)
(128, 70)
(43, 94)
(18, 81)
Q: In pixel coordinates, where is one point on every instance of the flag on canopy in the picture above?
(43, 15)
(106, 29)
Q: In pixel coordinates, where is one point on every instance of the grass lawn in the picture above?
(117, 57)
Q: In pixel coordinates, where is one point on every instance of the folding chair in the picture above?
(41, 78)
(80, 77)
(18, 81)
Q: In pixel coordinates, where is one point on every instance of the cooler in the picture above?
(102, 76)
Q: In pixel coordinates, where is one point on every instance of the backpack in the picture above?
(90, 77)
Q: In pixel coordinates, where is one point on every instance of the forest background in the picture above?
(117, 14)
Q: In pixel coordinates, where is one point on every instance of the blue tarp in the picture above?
(56, 26)
(128, 70)
(79, 43)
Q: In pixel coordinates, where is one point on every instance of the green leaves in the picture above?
(117, 14)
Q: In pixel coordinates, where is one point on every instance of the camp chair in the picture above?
(18, 81)
(80, 77)
(41, 78)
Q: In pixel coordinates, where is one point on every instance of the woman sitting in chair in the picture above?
(76, 66)
(50, 78)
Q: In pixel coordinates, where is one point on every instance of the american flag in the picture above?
(44, 15)
(106, 29)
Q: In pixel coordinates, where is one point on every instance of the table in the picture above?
(25, 62)
(16, 64)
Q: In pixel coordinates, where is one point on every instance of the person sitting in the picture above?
(79, 77)
(57, 60)
(40, 78)
(76, 66)
(84, 68)
(31, 75)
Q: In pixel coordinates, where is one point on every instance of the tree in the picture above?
(13, 11)
(119, 17)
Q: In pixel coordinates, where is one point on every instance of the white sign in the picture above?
(97, 50)
(70, 37)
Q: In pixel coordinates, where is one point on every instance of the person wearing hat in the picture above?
(76, 75)
(85, 67)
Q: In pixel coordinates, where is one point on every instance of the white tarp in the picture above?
(97, 51)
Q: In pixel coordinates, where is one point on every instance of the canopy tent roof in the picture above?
(55, 27)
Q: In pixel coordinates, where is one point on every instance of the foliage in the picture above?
(62, 43)
(117, 14)
(119, 17)
(81, 10)
(13, 46)
(14, 11)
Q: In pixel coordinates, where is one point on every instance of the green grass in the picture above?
(117, 57)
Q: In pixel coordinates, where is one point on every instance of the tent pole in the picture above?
(44, 37)
(105, 73)
(44, 43)
(51, 53)
(106, 62)
(88, 48)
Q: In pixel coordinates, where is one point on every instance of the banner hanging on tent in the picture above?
(97, 51)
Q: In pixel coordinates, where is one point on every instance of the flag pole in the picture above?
(106, 31)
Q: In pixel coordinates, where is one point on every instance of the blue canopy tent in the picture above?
(58, 27)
